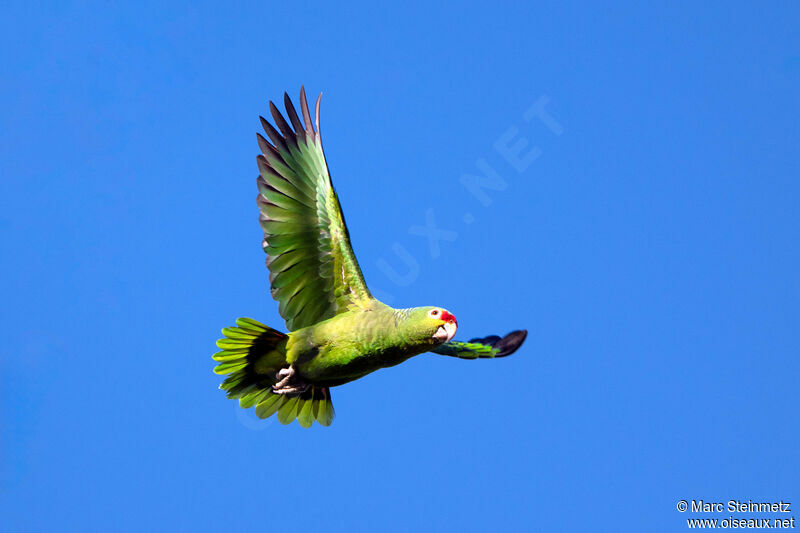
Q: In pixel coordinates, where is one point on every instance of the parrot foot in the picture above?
(286, 385)
(284, 375)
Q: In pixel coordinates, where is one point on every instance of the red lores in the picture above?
(447, 317)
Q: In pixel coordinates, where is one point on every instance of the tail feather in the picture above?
(288, 410)
(252, 353)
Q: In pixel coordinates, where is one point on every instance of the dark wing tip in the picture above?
(510, 343)
(285, 129)
(263, 144)
(490, 340)
(305, 113)
(505, 345)
(274, 135)
(299, 129)
(263, 165)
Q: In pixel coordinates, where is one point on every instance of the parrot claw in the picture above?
(285, 384)
(292, 390)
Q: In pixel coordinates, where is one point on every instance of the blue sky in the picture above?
(644, 231)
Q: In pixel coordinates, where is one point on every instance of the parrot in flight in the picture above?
(337, 331)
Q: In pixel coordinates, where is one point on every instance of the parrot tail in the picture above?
(252, 354)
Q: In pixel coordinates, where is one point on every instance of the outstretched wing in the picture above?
(313, 272)
(491, 346)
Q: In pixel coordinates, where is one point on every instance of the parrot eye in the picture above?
(433, 312)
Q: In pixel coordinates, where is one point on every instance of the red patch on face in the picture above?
(447, 317)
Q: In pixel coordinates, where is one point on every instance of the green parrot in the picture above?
(337, 331)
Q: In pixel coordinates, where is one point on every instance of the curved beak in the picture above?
(446, 332)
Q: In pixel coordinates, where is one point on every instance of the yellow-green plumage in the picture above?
(338, 331)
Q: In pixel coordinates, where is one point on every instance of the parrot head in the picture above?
(427, 325)
(441, 323)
